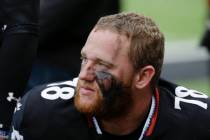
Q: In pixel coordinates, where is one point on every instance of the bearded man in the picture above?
(119, 95)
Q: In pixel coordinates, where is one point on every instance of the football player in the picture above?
(118, 94)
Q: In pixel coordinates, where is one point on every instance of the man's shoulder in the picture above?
(182, 96)
(184, 107)
(44, 100)
(62, 90)
(47, 108)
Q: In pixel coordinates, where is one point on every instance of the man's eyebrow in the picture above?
(106, 63)
(99, 60)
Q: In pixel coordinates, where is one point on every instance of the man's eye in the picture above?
(101, 66)
(84, 59)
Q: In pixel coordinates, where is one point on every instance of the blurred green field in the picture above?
(202, 85)
(178, 19)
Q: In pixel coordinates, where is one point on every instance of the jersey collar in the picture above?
(150, 121)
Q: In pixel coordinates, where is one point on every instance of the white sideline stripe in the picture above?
(182, 51)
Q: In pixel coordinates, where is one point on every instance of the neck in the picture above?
(131, 120)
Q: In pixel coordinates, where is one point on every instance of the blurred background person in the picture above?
(19, 29)
(205, 38)
(65, 25)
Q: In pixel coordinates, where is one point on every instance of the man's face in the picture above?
(105, 80)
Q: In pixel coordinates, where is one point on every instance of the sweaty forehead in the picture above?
(102, 43)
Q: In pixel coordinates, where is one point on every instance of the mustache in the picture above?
(87, 85)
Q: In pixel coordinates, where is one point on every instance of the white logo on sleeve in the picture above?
(182, 92)
(15, 135)
(11, 97)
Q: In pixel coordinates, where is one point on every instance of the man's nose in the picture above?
(87, 71)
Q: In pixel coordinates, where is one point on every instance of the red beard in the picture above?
(109, 99)
(91, 105)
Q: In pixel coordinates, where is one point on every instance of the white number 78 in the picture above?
(182, 92)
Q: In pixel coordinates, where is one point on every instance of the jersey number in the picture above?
(54, 92)
(182, 92)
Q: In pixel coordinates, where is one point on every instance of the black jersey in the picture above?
(48, 112)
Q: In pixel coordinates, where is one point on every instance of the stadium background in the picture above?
(183, 23)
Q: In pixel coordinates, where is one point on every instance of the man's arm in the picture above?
(19, 42)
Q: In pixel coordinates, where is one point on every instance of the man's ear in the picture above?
(144, 76)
